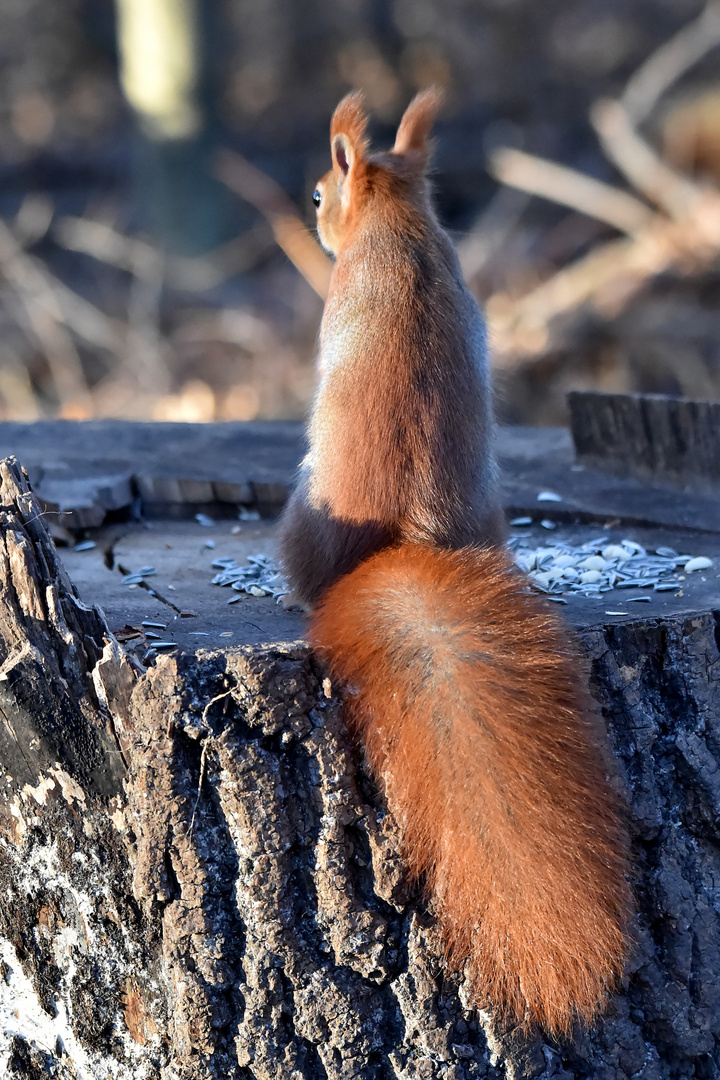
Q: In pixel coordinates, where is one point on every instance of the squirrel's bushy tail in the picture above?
(473, 715)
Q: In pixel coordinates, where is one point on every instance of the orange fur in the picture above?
(412, 135)
(472, 714)
(350, 119)
(466, 695)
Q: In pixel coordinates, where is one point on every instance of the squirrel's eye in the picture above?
(317, 197)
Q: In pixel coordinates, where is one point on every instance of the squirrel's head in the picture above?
(361, 182)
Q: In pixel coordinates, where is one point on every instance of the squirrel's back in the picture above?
(402, 430)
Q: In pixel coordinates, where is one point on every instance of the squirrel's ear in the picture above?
(347, 133)
(418, 119)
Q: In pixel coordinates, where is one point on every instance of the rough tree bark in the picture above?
(199, 880)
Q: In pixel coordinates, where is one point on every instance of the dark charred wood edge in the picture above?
(52, 643)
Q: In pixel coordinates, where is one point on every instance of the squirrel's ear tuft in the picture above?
(348, 141)
(417, 121)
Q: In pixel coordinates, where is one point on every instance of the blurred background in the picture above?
(157, 159)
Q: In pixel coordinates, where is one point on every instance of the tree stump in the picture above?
(649, 436)
(199, 879)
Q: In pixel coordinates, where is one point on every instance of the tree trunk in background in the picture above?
(168, 57)
(199, 880)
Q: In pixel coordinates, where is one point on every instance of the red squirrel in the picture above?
(460, 681)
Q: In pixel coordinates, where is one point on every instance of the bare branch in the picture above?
(570, 188)
(45, 320)
(490, 231)
(102, 242)
(199, 273)
(670, 62)
(145, 352)
(520, 327)
(16, 388)
(190, 273)
(261, 191)
(86, 320)
(608, 277)
(643, 167)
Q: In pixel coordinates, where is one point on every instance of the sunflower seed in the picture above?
(615, 551)
(590, 577)
(593, 562)
(631, 546)
(700, 562)
(596, 567)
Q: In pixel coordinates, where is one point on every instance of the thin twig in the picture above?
(84, 319)
(200, 273)
(212, 701)
(520, 327)
(203, 756)
(142, 350)
(206, 743)
(145, 356)
(101, 241)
